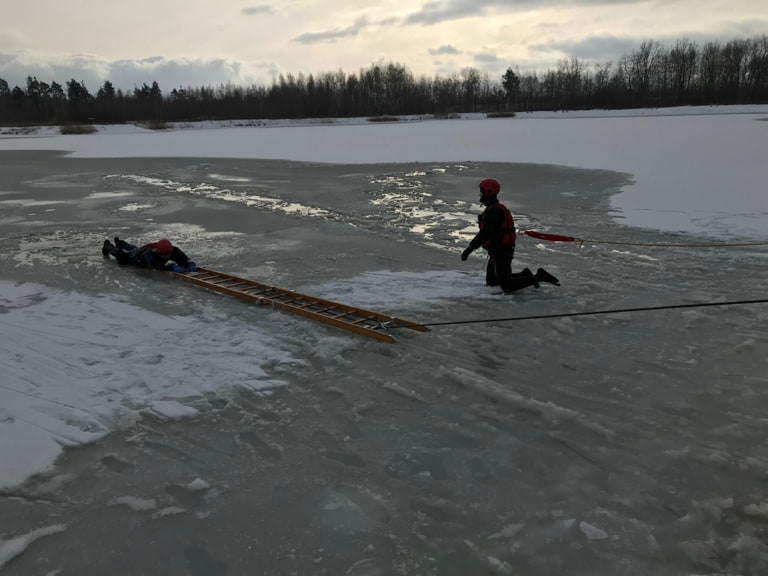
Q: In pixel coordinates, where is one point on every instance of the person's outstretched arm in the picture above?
(178, 256)
(492, 223)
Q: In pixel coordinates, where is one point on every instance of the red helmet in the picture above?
(489, 187)
(163, 246)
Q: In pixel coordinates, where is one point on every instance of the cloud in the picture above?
(258, 9)
(605, 48)
(444, 49)
(127, 74)
(434, 12)
(592, 48)
(486, 58)
(15, 67)
(753, 27)
(444, 10)
(332, 35)
(174, 73)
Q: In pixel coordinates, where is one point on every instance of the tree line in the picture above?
(653, 75)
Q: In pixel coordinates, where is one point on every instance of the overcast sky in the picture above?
(206, 42)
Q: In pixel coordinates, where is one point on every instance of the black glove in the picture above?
(465, 254)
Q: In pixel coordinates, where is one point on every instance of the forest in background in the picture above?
(653, 75)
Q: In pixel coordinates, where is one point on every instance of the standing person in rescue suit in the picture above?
(497, 235)
(160, 255)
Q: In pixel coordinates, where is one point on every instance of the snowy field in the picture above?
(148, 427)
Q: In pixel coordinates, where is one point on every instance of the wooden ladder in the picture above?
(356, 320)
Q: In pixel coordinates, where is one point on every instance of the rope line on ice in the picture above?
(596, 312)
(581, 241)
(41, 398)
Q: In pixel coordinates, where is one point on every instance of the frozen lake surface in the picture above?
(199, 435)
(694, 169)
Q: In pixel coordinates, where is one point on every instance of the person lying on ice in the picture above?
(160, 255)
(497, 235)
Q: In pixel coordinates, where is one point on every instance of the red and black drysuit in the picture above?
(497, 235)
(145, 256)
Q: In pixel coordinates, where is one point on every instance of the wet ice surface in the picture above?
(234, 439)
(688, 164)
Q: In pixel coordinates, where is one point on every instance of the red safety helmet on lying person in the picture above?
(162, 247)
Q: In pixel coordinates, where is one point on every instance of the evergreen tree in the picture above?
(79, 101)
(511, 83)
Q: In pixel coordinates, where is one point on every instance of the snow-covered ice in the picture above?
(147, 427)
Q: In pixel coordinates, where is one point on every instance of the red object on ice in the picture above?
(552, 237)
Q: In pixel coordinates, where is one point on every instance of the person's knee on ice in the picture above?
(521, 280)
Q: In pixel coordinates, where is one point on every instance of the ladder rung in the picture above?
(254, 291)
(363, 319)
(340, 314)
(283, 298)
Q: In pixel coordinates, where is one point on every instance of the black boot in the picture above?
(106, 248)
(544, 276)
(526, 273)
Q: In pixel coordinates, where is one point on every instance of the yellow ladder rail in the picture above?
(351, 318)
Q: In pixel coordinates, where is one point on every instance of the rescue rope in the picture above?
(42, 398)
(596, 312)
(581, 241)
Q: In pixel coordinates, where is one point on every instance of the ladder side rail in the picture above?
(365, 331)
(383, 318)
(241, 279)
(222, 289)
(340, 306)
(377, 334)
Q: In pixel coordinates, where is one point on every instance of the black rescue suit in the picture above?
(497, 236)
(145, 257)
